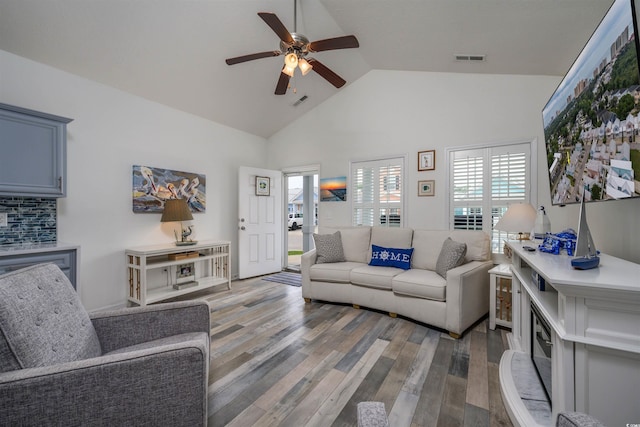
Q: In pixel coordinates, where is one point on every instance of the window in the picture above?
(378, 192)
(485, 181)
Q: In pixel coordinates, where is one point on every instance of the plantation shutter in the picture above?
(378, 192)
(484, 182)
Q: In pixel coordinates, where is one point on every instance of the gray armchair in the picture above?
(134, 366)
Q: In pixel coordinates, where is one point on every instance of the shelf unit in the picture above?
(160, 272)
(595, 341)
(500, 296)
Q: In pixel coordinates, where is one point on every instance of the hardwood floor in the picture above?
(276, 361)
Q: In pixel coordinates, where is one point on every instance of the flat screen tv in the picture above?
(591, 123)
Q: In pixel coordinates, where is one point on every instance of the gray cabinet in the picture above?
(65, 256)
(34, 150)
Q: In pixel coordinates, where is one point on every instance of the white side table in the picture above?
(500, 296)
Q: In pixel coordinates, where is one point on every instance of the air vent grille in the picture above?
(471, 58)
(300, 101)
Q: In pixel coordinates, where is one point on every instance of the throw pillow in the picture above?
(451, 256)
(391, 257)
(328, 248)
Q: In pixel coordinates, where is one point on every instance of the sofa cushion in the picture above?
(390, 237)
(355, 243)
(391, 257)
(374, 277)
(337, 272)
(478, 244)
(451, 255)
(328, 248)
(417, 283)
(426, 248)
(42, 319)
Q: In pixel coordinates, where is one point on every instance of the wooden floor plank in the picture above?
(274, 362)
(431, 397)
(336, 401)
(477, 381)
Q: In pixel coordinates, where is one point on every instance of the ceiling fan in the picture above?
(296, 48)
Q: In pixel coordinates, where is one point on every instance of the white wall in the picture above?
(112, 131)
(397, 112)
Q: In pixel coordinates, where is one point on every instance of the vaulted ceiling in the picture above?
(173, 51)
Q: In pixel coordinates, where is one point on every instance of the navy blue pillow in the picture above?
(391, 257)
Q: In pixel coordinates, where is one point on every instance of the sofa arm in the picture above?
(467, 295)
(164, 385)
(129, 326)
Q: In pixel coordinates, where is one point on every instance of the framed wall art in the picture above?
(263, 186)
(153, 186)
(427, 160)
(333, 189)
(426, 188)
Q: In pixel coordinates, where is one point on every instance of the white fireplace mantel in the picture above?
(595, 333)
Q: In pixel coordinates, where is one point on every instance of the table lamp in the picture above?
(178, 210)
(519, 218)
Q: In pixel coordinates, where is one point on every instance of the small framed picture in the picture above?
(185, 272)
(426, 188)
(427, 160)
(263, 186)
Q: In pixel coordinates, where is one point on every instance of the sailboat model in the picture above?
(586, 255)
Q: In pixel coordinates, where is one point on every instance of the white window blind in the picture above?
(378, 192)
(484, 182)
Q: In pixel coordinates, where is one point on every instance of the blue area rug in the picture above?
(288, 278)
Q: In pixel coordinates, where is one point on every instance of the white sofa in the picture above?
(453, 304)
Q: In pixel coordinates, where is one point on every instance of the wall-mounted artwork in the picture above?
(263, 186)
(152, 186)
(427, 160)
(426, 188)
(333, 189)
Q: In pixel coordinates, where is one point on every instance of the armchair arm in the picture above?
(129, 326)
(467, 294)
(164, 385)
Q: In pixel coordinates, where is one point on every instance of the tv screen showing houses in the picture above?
(591, 121)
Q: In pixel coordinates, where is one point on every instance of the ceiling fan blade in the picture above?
(344, 42)
(283, 84)
(329, 75)
(277, 26)
(245, 58)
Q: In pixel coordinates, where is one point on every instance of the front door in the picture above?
(260, 222)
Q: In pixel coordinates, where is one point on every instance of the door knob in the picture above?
(241, 219)
(243, 228)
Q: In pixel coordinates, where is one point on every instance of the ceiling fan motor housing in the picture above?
(300, 45)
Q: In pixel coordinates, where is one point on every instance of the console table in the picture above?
(594, 318)
(160, 272)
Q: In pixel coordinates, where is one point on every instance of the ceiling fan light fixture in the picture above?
(288, 70)
(305, 67)
(291, 60)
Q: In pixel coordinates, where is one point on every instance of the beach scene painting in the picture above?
(333, 189)
(153, 186)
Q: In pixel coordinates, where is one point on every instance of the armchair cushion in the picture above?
(42, 320)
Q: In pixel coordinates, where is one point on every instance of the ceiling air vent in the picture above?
(300, 101)
(471, 58)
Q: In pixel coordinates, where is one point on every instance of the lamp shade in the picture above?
(176, 210)
(519, 218)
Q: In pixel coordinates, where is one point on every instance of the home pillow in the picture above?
(328, 248)
(451, 255)
(391, 257)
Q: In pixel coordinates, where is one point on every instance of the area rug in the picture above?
(288, 278)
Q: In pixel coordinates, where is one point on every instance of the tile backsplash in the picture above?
(30, 220)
